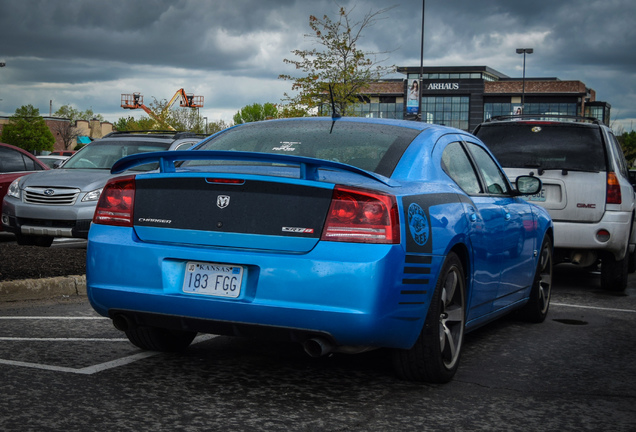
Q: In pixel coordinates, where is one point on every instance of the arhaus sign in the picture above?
(443, 86)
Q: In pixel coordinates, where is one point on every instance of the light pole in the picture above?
(206, 125)
(524, 51)
(419, 84)
(2, 64)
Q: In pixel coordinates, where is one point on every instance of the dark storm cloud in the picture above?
(234, 49)
(157, 32)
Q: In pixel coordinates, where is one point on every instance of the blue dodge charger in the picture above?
(343, 235)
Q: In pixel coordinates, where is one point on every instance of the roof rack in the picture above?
(546, 117)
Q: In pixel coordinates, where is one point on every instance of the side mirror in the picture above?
(528, 185)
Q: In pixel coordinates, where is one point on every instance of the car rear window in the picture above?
(102, 155)
(372, 147)
(541, 145)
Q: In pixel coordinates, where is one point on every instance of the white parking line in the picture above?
(593, 307)
(89, 370)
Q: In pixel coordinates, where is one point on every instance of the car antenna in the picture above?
(334, 114)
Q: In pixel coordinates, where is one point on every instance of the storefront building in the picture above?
(464, 96)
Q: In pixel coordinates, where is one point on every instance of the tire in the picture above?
(536, 310)
(158, 339)
(43, 241)
(434, 357)
(614, 273)
(631, 264)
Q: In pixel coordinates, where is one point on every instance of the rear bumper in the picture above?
(582, 236)
(351, 294)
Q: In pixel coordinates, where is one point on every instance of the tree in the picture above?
(67, 111)
(131, 124)
(340, 66)
(216, 126)
(67, 132)
(256, 112)
(628, 144)
(28, 130)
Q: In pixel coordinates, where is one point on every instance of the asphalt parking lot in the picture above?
(64, 367)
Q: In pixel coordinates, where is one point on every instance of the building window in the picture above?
(372, 110)
(503, 109)
(595, 111)
(446, 110)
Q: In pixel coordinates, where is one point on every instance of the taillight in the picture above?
(115, 205)
(613, 189)
(362, 217)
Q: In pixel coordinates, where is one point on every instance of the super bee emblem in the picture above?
(418, 224)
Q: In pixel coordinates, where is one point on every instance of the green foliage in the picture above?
(340, 65)
(256, 112)
(131, 124)
(28, 130)
(292, 111)
(628, 144)
(216, 126)
(67, 111)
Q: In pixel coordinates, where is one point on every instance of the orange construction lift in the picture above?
(136, 101)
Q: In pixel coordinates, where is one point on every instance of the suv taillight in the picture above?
(115, 205)
(362, 217)
(613, 189)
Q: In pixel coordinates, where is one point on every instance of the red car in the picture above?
(15, 162)
(62, 153)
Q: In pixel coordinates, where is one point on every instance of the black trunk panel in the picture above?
(254, 207)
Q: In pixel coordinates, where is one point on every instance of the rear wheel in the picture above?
(537, 307)
(435, 356)
(614, 272)
(158, 339)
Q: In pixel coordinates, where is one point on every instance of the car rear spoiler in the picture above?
(308, 166)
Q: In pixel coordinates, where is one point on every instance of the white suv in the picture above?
(586, 186)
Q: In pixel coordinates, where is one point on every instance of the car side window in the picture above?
(457, 165)
(620, 156)
(496, 181)
(11, 161)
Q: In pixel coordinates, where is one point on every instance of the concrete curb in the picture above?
(41, 289)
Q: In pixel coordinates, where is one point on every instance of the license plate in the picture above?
(220, 280)
(540, 197)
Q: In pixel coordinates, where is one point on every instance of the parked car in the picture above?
(52, 161)
(61, 202)
(62, 153)
(586, 187)
(16, 162)
(344, 235)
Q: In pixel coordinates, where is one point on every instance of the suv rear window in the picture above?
(541, 145)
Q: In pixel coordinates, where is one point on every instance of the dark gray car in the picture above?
(61, 202)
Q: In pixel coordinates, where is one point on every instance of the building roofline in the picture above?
(450, 69)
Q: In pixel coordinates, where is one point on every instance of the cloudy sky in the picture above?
(86, 53)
